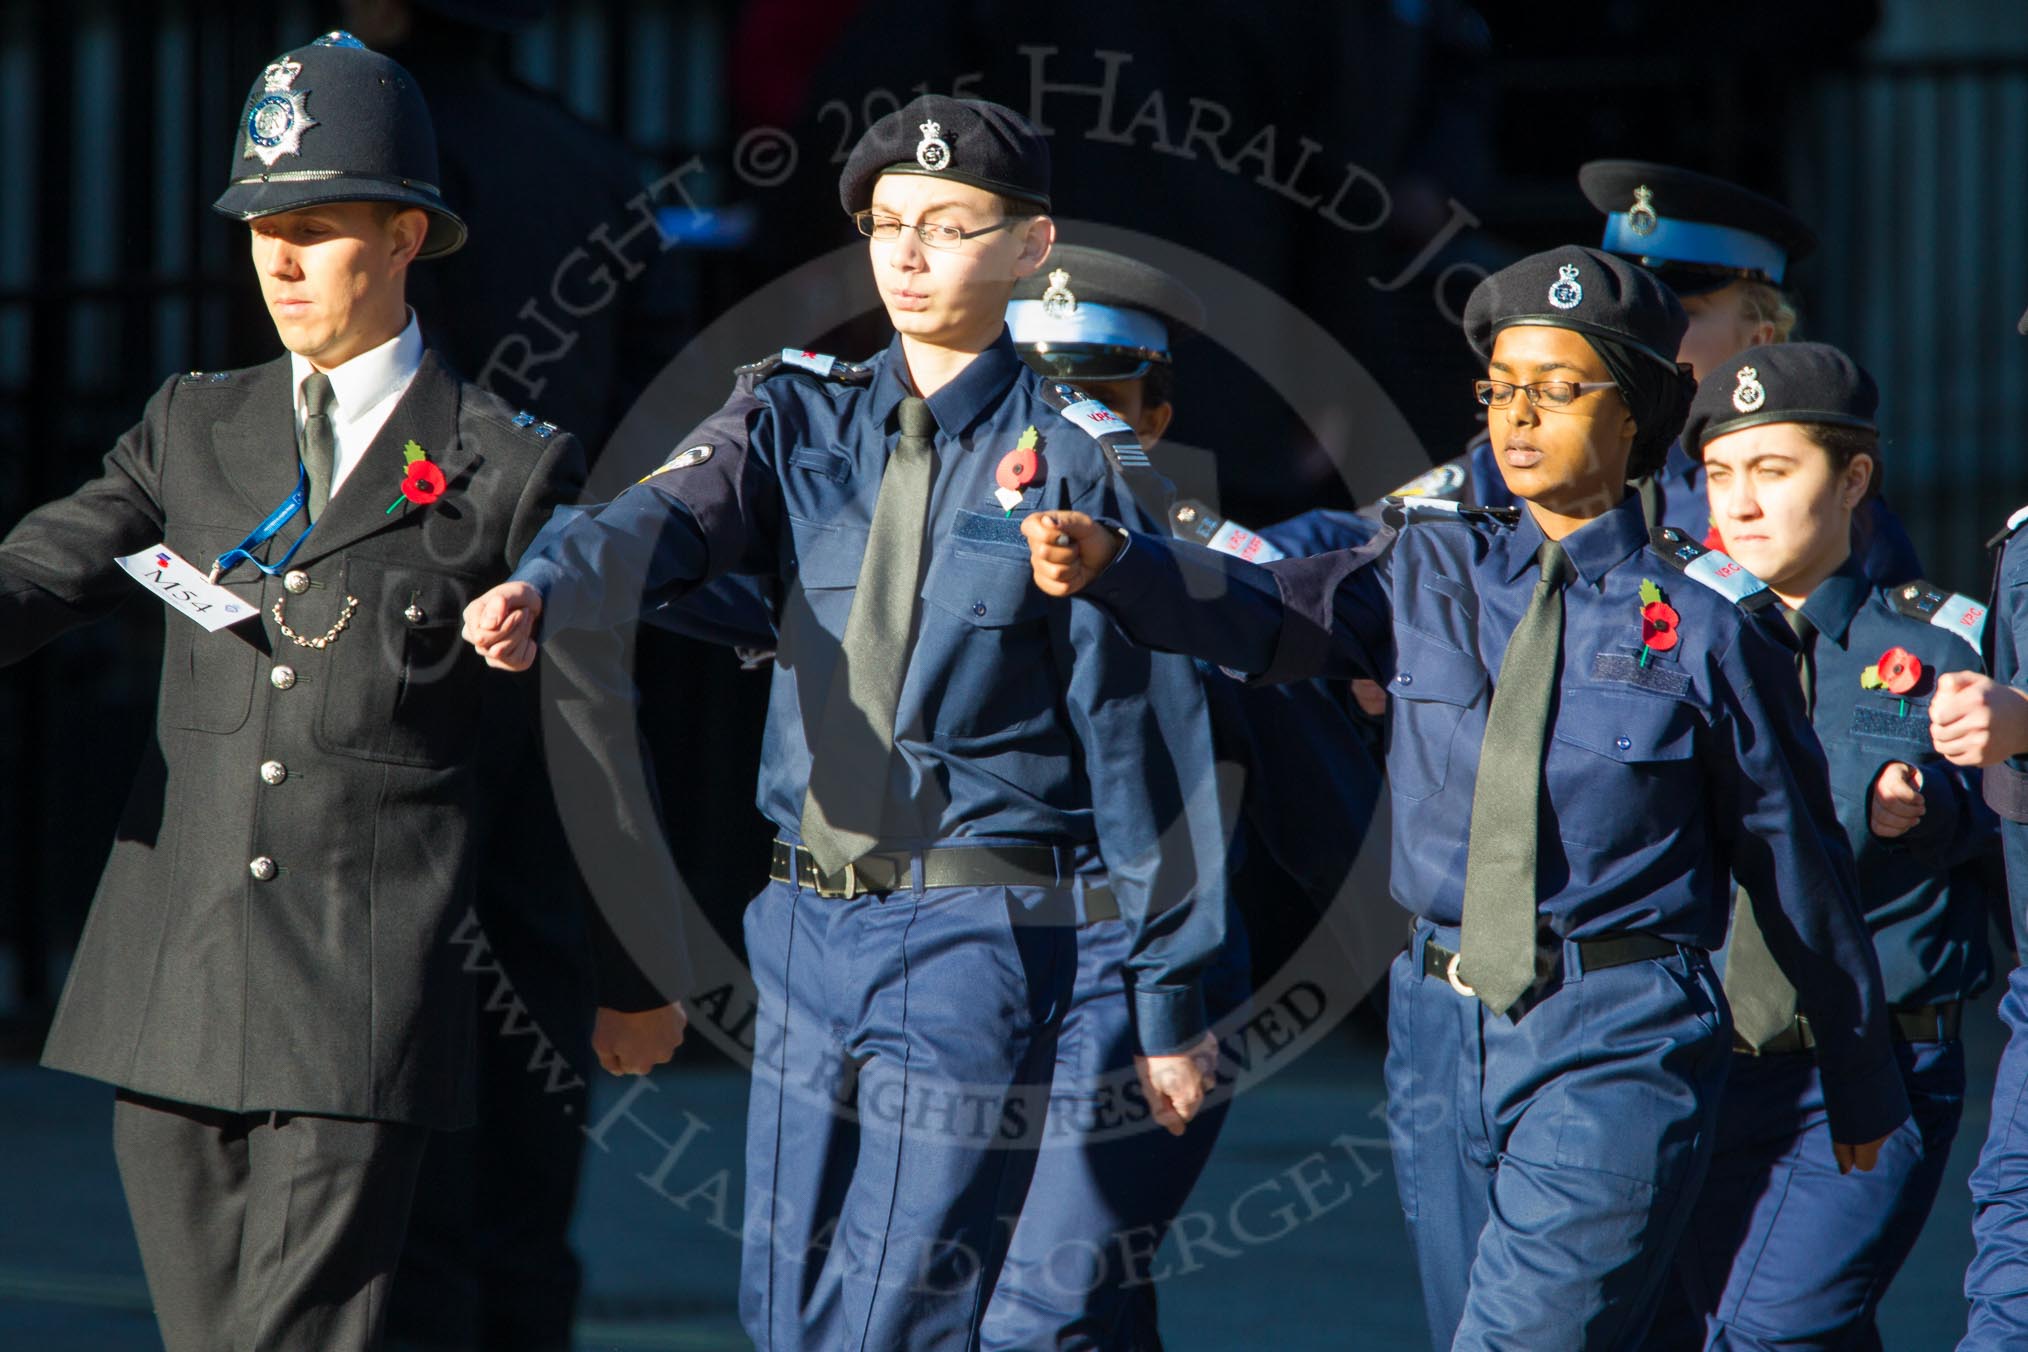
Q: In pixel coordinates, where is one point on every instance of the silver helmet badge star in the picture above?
(276, 122)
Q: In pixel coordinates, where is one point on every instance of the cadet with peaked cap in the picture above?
(271, 974)
(958, 768)
(1593, 730)
(1983, 721)
(1725, 251)
(1782, 1251)
(1109, 324)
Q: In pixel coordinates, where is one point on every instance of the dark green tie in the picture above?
(852, 748)
(1498, 946)
(320, 444)
(1763, 1002)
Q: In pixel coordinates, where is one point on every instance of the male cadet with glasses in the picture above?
(1725, 252)
(1077, 1270)
(271, 973)
(957, 768)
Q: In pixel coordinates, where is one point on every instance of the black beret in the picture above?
(965, 140)
(1095, 315)
(1780, 383)
(1697, 231)
(333, 121)
(1584, 290)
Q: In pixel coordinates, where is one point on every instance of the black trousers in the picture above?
(265, 1231)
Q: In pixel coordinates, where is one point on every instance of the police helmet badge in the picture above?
(1565, 292)
(932, 152)
(276, 122)
(1641, 217)
(1751, 394)
(1059, 301)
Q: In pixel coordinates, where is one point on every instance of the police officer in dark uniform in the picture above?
(958, 770)
(1593, 730)
(1983, 721)
(271, 972)
(1725, 251)
(1108, 324)
(1782, 1251)
(563, 302)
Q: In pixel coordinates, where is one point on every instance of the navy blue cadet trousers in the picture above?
(1548, 1158)
(1783, 1251)
(903, 1051)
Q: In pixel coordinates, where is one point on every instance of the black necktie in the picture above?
(320, 444)
(1762, 999)
(1498, 944)
(851, 749)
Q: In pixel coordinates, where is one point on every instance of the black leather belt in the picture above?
(1612, 950)
(1916, 1023)
(950, 866)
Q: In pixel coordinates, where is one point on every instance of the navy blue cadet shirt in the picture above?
(1662, 783)
(1879, 540)
(1923, 892)
(1021, 719)
(2006, 636)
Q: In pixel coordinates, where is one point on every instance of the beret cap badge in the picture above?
(1750, 393)
(1565, 293)
(932, 152)
(277, 120)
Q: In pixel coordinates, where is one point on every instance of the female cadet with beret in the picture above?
(1725, 252)
(1780, 1251)
(1592, 736)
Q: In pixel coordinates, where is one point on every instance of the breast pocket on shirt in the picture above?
(982, 640)
(208, 679)
(402, 685)
(1434, 685)
(1622, 766)
(1880, 725)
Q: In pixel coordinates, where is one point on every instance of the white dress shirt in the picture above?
(364, 393)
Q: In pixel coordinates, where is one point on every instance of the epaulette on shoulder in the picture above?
(1112, 432)
(206, 377)
(1400, 511)
(528, 422)
(1713, 567)
(808, 363)
(1439, 481)
(1951, 611)
(2014, 523)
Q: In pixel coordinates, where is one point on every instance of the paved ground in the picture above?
(662, 1258)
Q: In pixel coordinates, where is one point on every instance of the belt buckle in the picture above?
(851, 888)
(1457, 984)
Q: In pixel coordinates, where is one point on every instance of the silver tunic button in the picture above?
(274, 772)
(414, 613)
(281, 678)
(296, 581)
(263, 869)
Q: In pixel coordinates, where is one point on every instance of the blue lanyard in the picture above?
(261, 534)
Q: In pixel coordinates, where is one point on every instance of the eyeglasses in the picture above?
(933, 234)
(1541, 394)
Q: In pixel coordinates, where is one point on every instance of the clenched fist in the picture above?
(1974, 720)
(1066, 550)
(1175, 1086)
(1897, 801)
(501, 625)
(634, 1044)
